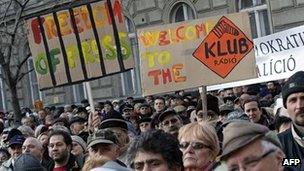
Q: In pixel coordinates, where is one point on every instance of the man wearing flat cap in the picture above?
(104, 142)
(293, 100)
(170, 122)
(120, 127)
(144, 124)
(251, 146)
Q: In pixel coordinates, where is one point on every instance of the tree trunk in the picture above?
(15, 104)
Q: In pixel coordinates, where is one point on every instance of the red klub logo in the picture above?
(223, 48)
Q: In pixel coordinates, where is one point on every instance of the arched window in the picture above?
(258, 13)
(181, 12)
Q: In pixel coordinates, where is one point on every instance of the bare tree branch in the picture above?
(19, 66)
(17, 2)
(24, 60)
(2, 61)
(5, 13)
(15, 28)
(5, 33)
(24, 74)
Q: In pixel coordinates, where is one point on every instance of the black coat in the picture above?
(291, 148)
(72, 164)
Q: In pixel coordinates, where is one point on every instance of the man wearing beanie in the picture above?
(79, 149)
(293, 100)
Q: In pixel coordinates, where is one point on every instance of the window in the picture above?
(78, 92)
(258, 13)
(181, 12)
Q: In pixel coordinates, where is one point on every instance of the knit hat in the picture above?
(80, 141)
(27, 162)
(294, 84)
(238, 134)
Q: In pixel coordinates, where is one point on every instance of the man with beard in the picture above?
(60, 145)
(293, 100)
(170, 122)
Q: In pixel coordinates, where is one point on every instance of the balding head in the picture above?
(33, 146)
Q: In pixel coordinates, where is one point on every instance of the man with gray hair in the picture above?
(33, 146)
(251, 146)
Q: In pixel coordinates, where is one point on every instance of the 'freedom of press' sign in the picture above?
(79, 42)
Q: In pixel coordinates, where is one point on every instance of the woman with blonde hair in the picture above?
(94, 162)
(200, 146)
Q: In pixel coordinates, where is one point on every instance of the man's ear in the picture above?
(69, 147)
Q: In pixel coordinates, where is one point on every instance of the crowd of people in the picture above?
(253, 127)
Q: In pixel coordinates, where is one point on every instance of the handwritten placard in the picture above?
(194, 53)
(79, 44)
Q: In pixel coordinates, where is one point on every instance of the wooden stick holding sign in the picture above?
(92, 113)
(90, 97)
(203, 93)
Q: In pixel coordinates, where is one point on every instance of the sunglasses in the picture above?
(194, 145)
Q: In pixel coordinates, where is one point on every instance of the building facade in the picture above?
(266, 17)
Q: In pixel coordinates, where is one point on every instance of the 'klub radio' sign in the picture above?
(194, 53)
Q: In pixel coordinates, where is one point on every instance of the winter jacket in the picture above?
(291, 148)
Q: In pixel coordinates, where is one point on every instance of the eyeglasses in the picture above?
(172, 121)
(251, 163)
(194, 145)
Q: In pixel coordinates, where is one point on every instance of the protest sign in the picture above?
(194, 53)
(79, 43)
(278, 56)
